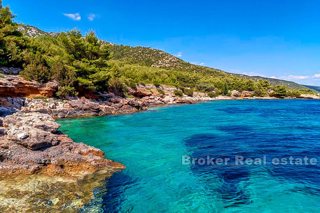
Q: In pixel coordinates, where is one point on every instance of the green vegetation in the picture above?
(161, 92)
(12, 42)
(85, 64)
(178, 93)
(188, 92)
(140, 64)
(280, 92)
(212, 94)
(78, 63)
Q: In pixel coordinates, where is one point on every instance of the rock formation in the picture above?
(33, 151)
(15, 86)
(235, 93)
(32, 144)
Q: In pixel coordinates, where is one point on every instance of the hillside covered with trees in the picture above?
(82, 64)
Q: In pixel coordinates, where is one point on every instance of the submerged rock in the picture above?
(41, 193)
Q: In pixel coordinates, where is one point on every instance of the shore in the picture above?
(41, 168)
(35, 156)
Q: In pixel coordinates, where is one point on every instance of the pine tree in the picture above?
(225, 89)
(11, 40)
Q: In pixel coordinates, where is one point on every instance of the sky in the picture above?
(271, 38)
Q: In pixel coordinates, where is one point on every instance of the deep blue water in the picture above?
(152, 144)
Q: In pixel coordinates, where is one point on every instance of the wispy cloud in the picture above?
(298, 77)
(198, 63)
(92, 17)
(73, 16)
(179, 54)
(316, 75)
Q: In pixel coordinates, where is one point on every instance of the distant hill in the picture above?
(316, 88)
(289, 84)
(156, 58)
(149, 57)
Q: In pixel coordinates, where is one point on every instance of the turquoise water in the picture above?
(151, 145)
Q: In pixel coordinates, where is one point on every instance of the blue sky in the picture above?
(273, 38)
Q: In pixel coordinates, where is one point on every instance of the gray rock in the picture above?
(32, 130)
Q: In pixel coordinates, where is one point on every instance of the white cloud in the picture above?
(179, 54)
(316, 76)
(92, 17)
(73, 16)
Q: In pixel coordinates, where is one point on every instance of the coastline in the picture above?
(224, 117)
(35, 155)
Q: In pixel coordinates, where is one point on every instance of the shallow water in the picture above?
(151, 145)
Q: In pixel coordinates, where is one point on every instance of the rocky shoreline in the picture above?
(41, 168)
(36, 156)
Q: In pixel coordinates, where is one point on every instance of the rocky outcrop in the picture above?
(110, 104)
(235, 93)
(15, 86)
(32, 131)
(9, 105)
(31, 31)
(82, 107)
(32, 144)
(243, 94)
(247, 94)
(42, 169)
(141, 92)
